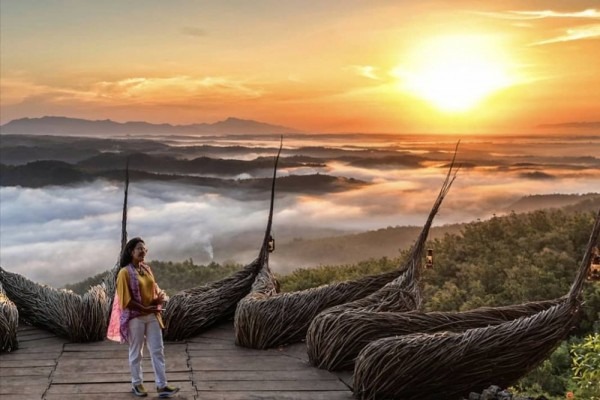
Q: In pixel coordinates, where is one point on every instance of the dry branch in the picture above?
(326, 335)
(357, 328)
(192, 311)
(9, 322)
(285, 318)
(110, 280)
(63, 312)
(461, 362)
(265, 285)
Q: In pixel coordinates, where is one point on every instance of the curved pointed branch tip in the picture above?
(265, 244)
(125, 199)
(585, 265)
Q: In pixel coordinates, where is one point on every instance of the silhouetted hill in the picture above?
(82, 127)
(41, 173)
(386, 162)
(348, 249)
(23, 154)
(44, 173)
(592, 126)
(297, 251)
(200, 165)
(21, 149)
(537, 202)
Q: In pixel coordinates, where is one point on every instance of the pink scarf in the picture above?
(118, 327)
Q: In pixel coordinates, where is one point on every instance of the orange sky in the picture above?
(319, 66)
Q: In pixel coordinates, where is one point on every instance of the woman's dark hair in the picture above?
(127, 253)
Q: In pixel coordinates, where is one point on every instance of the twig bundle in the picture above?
(110, 279)
(265, 284)
(191, 311)
(460, 362)
(357, 328)
(9, 322)
(265, 322)
(63, 312)
(326, 340)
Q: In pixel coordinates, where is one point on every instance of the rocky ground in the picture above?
(497, 393)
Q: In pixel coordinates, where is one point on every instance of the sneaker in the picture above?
(167, 391)
(139, 390)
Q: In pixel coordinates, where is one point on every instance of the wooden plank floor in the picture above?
(206, 367)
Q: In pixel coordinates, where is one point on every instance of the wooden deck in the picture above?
(207, 367)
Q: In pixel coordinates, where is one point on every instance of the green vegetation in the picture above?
(505, 260)
(586, 367)
(171, 276)
(305, 278)
(550, 379)
(176, 276)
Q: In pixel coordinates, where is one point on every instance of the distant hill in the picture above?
(593, 126)
(200, 165)
(83, 127)
(545, 201)
(42, 173)
(349, 249)
(49, 172)
(342, 249)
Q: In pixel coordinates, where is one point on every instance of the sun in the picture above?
(455, 73)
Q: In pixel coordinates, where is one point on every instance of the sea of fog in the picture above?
(57, 235)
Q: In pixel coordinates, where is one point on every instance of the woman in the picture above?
(140, 301)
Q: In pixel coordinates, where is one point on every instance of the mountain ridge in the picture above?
(60, 125)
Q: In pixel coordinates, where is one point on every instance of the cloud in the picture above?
(591, 31)
(56, 235)
(174, 90)
(578, 33)
(589, 13)
(18, 90)
(192, 31)
(542, 14)
(366, 71)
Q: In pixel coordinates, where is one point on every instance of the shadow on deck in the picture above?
(206, 367)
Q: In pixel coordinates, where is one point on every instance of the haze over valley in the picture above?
(338, 196)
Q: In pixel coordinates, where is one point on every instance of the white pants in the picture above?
(142, 329)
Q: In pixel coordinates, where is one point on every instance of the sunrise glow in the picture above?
(455, 73)
(375, 67)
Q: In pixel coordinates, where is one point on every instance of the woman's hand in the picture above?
(150, 309)
(160, 298)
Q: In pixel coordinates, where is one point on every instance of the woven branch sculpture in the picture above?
(357, 328)
(192, 311)
(266, 322)
(63, 312)
(451, 364)
(9, 322)
(265, 285)
(325, 338)
(110, 281)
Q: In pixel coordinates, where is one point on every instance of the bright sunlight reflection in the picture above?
(455, 73)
